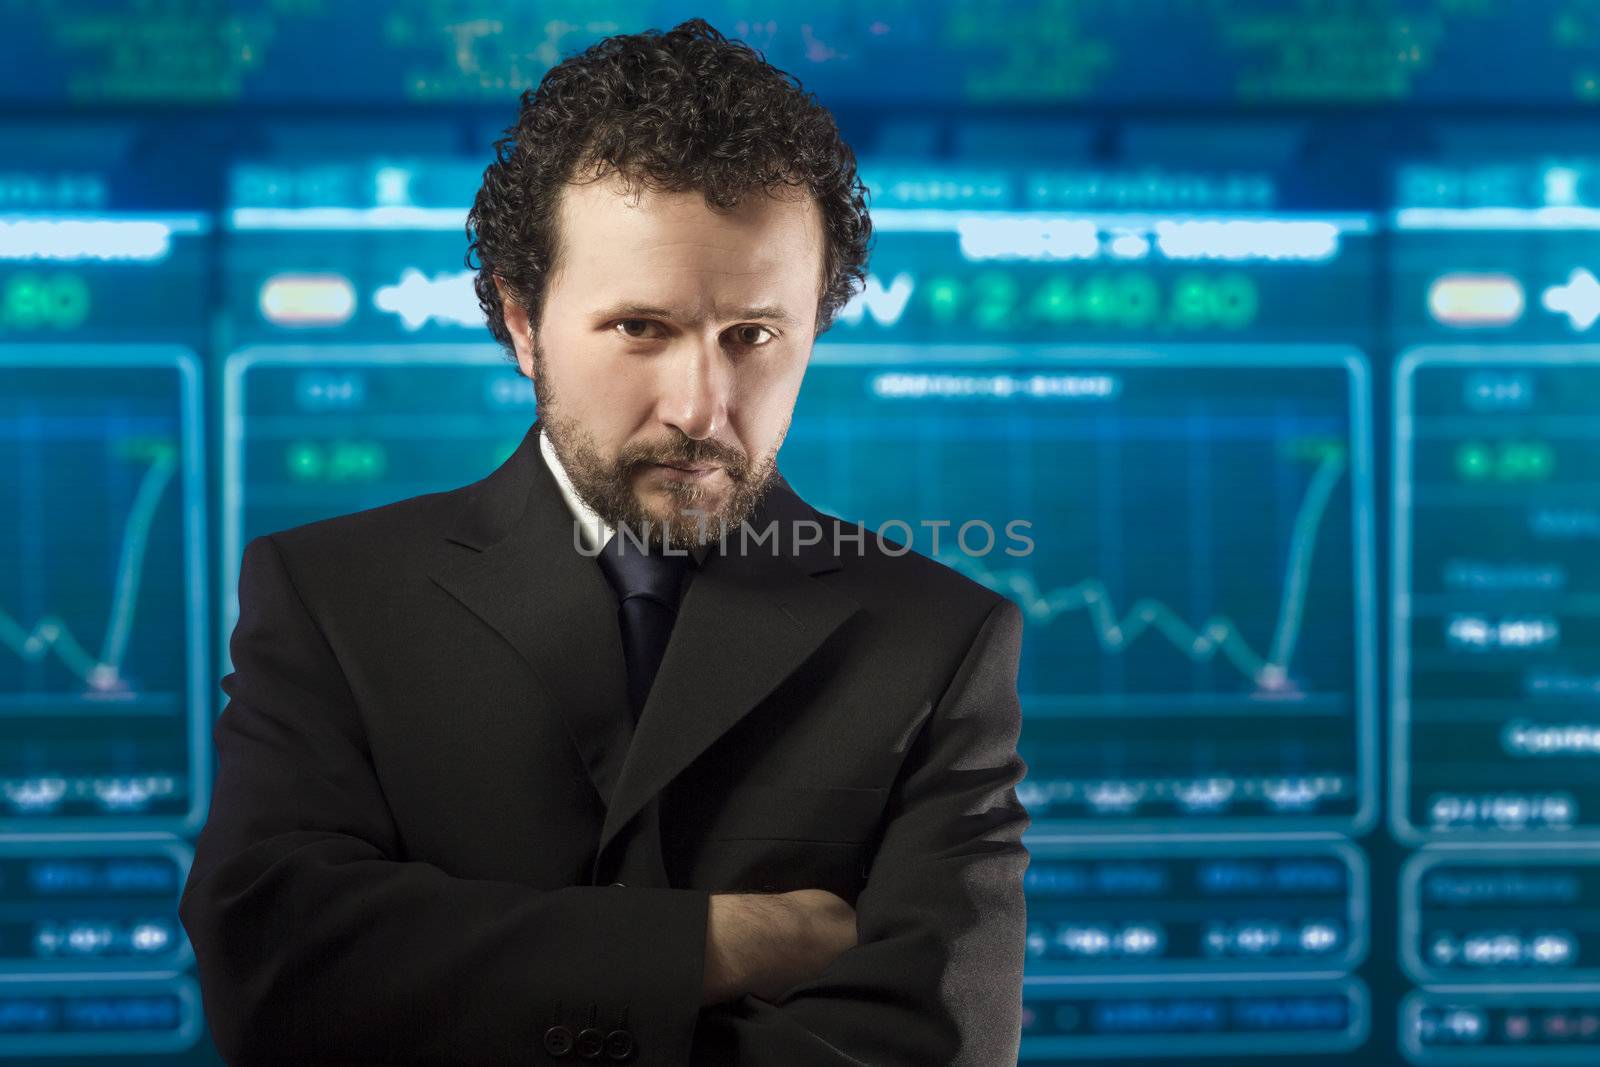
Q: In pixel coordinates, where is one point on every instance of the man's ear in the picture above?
(516, 317)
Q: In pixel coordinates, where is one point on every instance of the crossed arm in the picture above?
(315, 943)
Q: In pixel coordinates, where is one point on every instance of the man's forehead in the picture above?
(669, 256)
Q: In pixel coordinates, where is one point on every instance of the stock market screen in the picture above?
(1256, 360)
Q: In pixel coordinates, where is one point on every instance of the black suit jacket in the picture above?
(429, 786)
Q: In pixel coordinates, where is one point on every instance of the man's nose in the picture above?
(694, 386)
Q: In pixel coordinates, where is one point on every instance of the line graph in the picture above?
(50, 634)
(1217, 634)
(104, 706)
(1197, 594)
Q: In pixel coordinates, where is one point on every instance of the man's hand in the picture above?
(764, 943)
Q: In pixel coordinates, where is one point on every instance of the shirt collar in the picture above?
(594, 530)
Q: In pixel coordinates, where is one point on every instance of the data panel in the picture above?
(1188, 533)
(91, 905)
(1497, 607)
(1220, 55)
(1523, 915)
(104, 714)
(1212, 1019)
(123, 1017)
(1503, 1028)
(1153, 908)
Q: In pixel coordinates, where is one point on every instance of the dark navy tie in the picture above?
(648, 583)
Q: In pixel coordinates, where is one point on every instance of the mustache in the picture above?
(684, 454)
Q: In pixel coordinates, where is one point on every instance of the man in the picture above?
(501, 780)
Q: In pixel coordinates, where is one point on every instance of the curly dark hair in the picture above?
(678, 110)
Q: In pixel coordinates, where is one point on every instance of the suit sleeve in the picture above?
(936, 975)
(315, 942)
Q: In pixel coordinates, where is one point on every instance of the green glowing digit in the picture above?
(944, 299)
(1054, 303)
(997, 299)
(305, 461)
(1191, 301)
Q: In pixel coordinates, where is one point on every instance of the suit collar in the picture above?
(747, 621)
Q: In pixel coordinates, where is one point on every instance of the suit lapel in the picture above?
(748, 619)
(515, 566)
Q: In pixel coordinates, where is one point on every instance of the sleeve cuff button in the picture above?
(619, 1045)
(558, 1041)
(590, 1043)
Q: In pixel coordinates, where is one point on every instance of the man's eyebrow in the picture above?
(770, 312)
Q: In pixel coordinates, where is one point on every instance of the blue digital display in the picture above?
(1206, 674)
(1222, 52)
(1495, 551)
(1289, 418)
(1517, 915)
(1494, 676)
(106, 715)
(74, 907)
(1217, 1018)
(116, 1016)
(1504, 1026)
(1168, 909)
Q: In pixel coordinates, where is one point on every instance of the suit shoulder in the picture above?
(951, 579)
(386, 531)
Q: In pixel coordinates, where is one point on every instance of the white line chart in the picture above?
(50, 634)
(1219, 634)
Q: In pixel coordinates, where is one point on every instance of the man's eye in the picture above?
(624, 324)
(750, 334)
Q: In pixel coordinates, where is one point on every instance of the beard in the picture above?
(696, 514)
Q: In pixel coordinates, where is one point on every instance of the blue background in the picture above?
(1274, 321)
